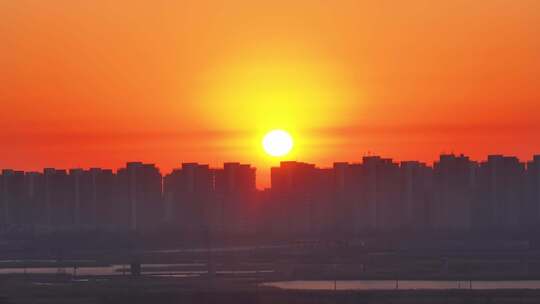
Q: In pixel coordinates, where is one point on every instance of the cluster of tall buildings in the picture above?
(219, 201)
(135, 198)
(455, 194)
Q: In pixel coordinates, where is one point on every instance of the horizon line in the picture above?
(535, 157)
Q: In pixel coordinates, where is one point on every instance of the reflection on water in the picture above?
(175, 275)
(162, 270)
(99, 270)
(403, 285)
(219, 249)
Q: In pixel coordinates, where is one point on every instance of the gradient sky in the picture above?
(98, 83)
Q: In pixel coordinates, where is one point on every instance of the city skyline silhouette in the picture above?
(456, 194)
(270, 151)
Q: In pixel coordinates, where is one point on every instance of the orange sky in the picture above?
(98, 83)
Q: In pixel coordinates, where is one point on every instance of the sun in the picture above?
(277, 143)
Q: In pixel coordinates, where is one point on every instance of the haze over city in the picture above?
(285, 151)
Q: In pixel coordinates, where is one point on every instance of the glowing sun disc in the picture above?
(277, 143)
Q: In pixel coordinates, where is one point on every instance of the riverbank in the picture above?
(195, 291)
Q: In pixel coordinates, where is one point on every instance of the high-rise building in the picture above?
(533, 193)
(235, 177)
(13, 198)
(5, 218)
(351, 212)
(76, 180)
(502, 192)
(93, 198)
(59, 207)
(380, 191)
(454, 193)
(35, 195)
(235, 194)
(416, 184)
(189, 193)
(139, 190)
(300, 199)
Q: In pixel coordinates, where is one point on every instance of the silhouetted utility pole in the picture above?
(335, 277)
(134, 263)
(136, 268)
(210, 262)
(255, 262)
(446, 265)
(336, 254)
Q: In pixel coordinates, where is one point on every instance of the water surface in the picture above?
(404, 285)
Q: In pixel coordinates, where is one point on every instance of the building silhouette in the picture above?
(416, 180)
(235, 191)
(453, 193)
(376, 195)
(502, 193)
(533, 192)
(300, 199)
(217, 201)
(140, 196)
(188, 194)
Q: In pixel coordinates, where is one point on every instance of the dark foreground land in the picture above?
(164, 291)
(235, 273)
